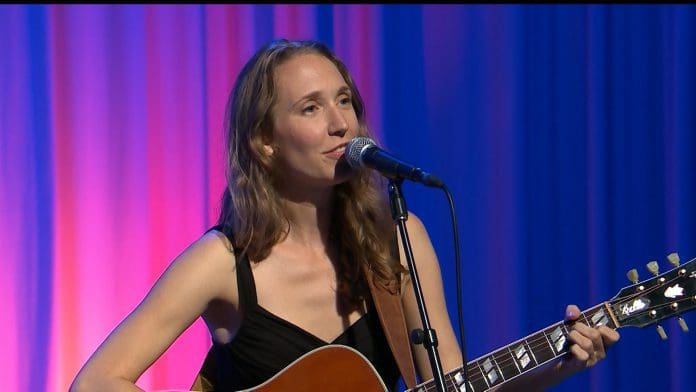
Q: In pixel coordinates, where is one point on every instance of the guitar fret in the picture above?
(599, 318)
(531, 351)
(506, 364)
(525, 355)
(565, 328)
(459, 381)
(547, 341)
(454, 384)
(559, 339)
(459, 378)
(477, 381)
(512, 356)
(497, 365)
(483, 374)
(543, 352)
(493, 375)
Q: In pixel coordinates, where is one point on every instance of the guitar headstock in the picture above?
(663, 296)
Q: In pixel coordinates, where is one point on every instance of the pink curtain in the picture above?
(112, 163)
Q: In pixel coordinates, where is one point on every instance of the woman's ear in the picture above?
(268, 150)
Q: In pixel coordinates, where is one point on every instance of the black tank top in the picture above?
(265, 343)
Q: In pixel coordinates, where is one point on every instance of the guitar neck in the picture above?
(644, 303)
(519, 357)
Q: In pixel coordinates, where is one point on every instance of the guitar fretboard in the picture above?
(519, 357)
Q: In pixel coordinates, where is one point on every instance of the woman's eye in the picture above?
(309, 109)
(345, 101)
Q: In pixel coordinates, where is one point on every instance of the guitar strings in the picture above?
(504, 357)
(504, 360)
(535, 343)
(478, 374)
(507, 357)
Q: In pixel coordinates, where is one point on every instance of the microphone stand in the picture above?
(425, 336)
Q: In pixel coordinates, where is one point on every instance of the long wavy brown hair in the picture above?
(252, 213)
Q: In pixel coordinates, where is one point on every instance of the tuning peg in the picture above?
(683, 325)
(673, 259)
(653, 267)
(661, 332)
(632, 276)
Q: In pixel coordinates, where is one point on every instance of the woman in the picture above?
(283, 272)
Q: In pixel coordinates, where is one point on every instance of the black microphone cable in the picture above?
(458, 276)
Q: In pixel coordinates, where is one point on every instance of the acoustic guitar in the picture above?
(340, 368)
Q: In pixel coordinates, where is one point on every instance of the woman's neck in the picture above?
(310, 217)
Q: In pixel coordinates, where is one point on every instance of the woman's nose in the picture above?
(338, 124)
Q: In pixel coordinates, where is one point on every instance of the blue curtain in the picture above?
(566, 135)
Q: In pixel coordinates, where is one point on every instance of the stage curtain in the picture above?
(566, 134)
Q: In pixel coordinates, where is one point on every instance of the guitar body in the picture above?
(328, 368)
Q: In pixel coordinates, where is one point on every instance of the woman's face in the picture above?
(313, 120)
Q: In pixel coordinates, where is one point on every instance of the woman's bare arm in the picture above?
(430, 279)
(198, 275)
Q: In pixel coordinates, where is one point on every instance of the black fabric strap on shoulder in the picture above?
(246, 286)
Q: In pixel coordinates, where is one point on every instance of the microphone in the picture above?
(363, 152)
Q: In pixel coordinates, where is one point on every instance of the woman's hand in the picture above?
(587, 345)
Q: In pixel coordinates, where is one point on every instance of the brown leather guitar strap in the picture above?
(388, 304)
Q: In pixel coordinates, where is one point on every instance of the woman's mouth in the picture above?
(337, 152)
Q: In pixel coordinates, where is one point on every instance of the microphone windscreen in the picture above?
(354, 150)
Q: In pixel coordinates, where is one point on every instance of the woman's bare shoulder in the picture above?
(209, 260)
